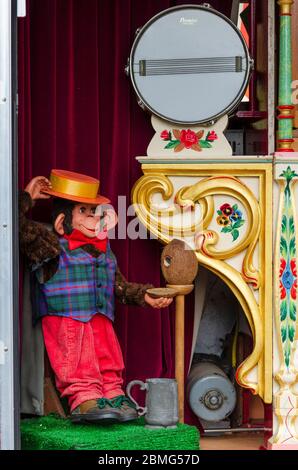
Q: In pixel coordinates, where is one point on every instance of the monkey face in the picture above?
(85, 219)
(91, 220)
(94, 221)
(179, 263)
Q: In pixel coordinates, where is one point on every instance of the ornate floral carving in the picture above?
(187, 139)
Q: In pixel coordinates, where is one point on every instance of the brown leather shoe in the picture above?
(126, 407)
(95, 411)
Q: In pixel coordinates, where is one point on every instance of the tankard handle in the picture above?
(144, 386)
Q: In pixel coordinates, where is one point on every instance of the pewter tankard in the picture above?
(161, 407)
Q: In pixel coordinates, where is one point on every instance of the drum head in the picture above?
(190, 65)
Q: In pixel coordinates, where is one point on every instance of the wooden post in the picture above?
(179, 342)
(179, 353)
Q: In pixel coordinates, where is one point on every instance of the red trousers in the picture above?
(85, 357)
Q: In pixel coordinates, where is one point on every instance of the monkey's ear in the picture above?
(58, 224)
(110, 219)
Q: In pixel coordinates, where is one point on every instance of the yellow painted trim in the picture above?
(265, 294)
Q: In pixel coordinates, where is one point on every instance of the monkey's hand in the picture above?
(161, 302)
(37, 243)
(35, 187)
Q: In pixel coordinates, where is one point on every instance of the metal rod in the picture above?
(193, 59)
(209, 67)
(187, 71)
(226, 430)
(149, 63)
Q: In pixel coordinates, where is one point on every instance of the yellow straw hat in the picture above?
(75, 187)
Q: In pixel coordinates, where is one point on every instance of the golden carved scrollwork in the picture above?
(229, 186)
(201, 193)
(157, 215)
(250, 307)
(150, 215)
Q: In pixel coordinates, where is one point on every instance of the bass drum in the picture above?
(189, 65)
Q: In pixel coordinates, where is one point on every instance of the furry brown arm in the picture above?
(37, 243)
(130, 292)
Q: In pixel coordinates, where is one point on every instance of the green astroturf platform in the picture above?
(54, 433)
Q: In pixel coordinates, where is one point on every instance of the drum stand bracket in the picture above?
(188, 142)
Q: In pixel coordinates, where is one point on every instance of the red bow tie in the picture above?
(77, 239)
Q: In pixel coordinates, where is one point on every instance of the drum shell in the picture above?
(210, 393)
(184, 118)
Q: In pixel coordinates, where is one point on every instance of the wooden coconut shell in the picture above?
(179, 263)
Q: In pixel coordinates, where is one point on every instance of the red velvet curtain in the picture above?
(77, 111)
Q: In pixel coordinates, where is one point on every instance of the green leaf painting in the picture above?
(288, 270)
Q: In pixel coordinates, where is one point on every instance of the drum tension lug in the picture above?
(127, 67)
(141, 104)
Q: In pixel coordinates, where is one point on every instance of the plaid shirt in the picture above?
(81, 287)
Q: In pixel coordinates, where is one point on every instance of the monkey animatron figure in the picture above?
(77, 279)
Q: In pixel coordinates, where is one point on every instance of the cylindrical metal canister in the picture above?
(211, 394)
